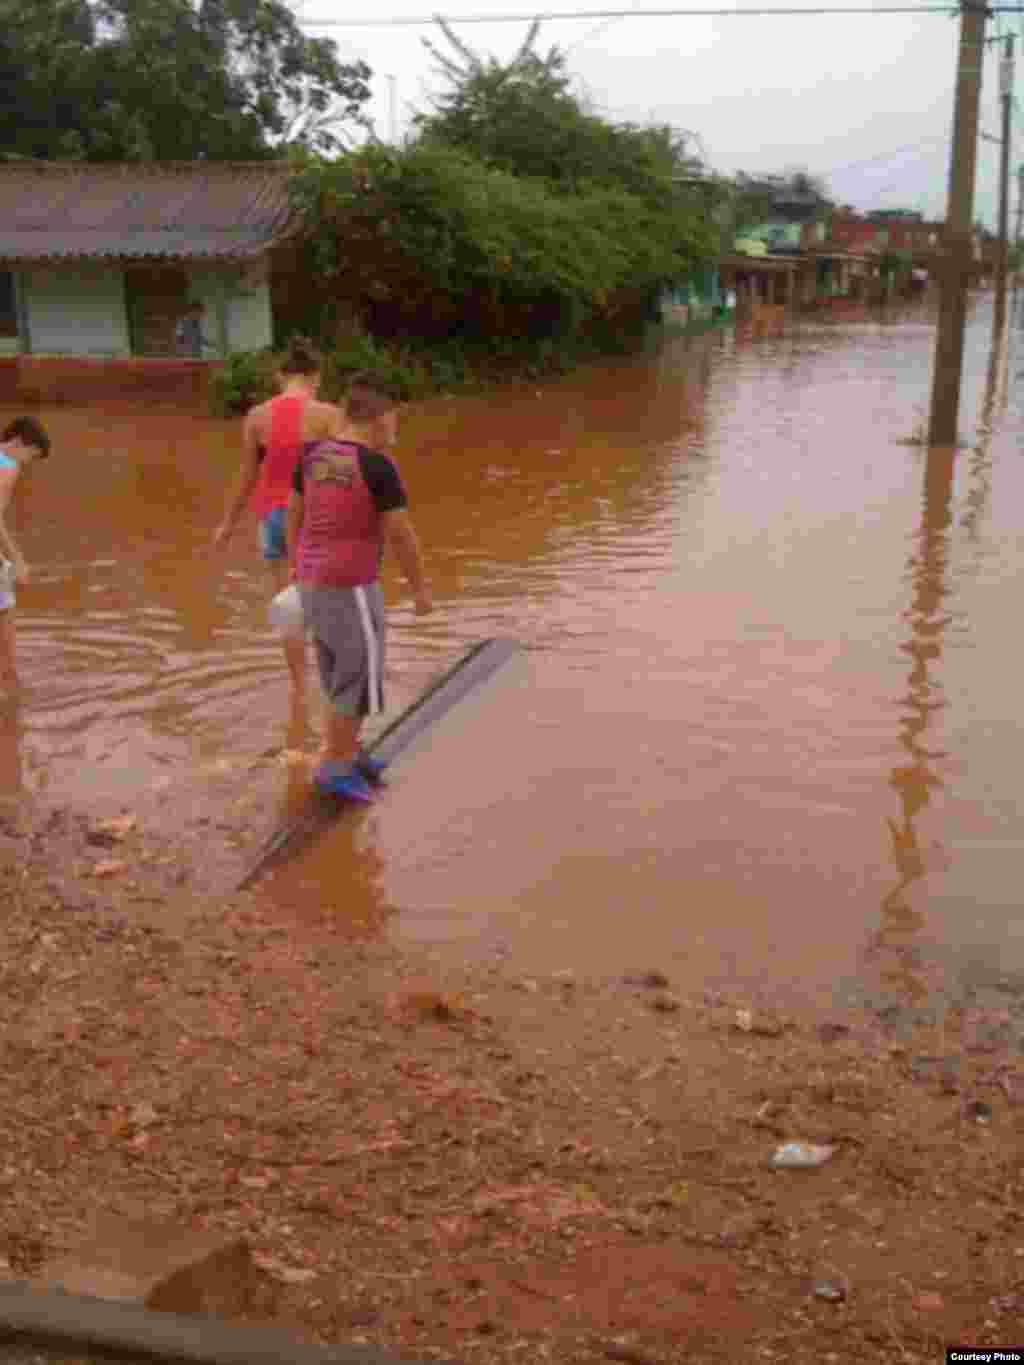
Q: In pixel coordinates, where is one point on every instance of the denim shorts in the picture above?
(271, 531)
(6, 585)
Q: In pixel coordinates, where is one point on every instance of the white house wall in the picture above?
(237, 304)
(82, 310)
(250, 325)
(75, 310)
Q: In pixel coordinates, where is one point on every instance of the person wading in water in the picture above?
(347, 503)
(22, 442)
(273, 438)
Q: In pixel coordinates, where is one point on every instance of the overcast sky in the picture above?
(863, 100)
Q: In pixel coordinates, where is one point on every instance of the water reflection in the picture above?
(10, 753)
(993, 407)
(916, 782)
(310, 893)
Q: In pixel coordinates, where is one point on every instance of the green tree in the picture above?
(523, 117)
(431, 241)
(514, 223)
(168, 80)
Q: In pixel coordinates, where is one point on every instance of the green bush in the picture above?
(245, 379)
(250, 377)
(427, 237)
(451, 365)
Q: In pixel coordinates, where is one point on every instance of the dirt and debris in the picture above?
(461, 1164)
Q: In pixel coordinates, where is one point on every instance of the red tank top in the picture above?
(283, 450)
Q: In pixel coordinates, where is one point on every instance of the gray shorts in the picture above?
(347, 625)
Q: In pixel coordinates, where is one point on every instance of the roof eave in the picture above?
(241, 255)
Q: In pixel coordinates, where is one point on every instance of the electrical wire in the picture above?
(886, 156)
(591, 33)
(413, 21)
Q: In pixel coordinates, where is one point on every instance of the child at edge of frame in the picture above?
(22, 442)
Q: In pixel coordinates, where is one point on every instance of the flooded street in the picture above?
(766, 726)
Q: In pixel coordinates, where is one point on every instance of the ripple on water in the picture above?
(745, 626)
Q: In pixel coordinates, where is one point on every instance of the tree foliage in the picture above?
(430, 237)
(522, 117)
(513, 212)
(168, 80)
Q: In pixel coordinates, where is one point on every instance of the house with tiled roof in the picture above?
(99, 261)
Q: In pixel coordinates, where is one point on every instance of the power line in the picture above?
(591, 33)
(886, 156)
(411, 21)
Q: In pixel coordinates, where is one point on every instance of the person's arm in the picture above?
(293, 527)
(8, 545)
(245, 481)
(400, 534)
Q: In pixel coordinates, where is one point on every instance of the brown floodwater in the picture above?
(766, 726)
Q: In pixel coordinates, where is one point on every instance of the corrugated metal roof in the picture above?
(181, 210)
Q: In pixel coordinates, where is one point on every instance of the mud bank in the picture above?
(474, 1164)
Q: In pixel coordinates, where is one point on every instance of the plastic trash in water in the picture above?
(286, 614)
(801, 1155)
(829, 1291)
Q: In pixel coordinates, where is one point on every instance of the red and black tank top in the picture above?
(346, 489)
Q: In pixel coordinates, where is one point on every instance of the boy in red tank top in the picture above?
(272, 443)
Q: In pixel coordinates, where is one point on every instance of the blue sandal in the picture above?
(344, 780)
(371, 768)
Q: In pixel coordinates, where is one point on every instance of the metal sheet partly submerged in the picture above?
(56, 1323)
(321, 812)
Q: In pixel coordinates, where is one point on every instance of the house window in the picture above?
(8, 305)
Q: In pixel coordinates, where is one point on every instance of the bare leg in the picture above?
(8, 672)
(341, 742)
(294, 649)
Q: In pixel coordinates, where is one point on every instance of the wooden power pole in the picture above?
(1002, 260)
(1017, 238)
(956, 265)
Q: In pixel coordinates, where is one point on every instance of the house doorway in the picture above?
(156, 297)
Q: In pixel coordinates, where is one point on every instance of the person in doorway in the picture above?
(272, 443)
(347, 502)
(22, 442)
(188, 334)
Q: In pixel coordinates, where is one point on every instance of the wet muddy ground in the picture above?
(472, 1163)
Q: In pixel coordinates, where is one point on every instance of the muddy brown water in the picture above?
(767, 725)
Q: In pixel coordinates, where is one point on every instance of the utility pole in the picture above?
(1002, 259)
(1016, 236)
(956, 265)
